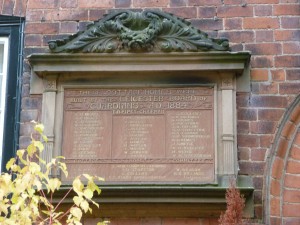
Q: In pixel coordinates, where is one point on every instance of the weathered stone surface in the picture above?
(148, 135)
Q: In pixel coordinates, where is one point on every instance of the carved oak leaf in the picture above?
(102, 38)
(174, 38)
(177, 38)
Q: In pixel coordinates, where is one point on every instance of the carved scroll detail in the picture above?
(145, 31)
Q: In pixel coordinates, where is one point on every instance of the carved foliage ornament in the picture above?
(145, 31)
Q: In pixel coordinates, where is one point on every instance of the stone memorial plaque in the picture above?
(133, 135)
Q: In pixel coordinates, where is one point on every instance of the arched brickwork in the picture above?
(283, 171)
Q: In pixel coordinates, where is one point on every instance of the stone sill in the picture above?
(166, 200)
(164, 193)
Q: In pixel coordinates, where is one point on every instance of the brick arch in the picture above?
(282, 176)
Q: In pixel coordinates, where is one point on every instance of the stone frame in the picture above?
(69, 83)
(51, 73)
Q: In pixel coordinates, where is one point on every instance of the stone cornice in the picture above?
(45, 64)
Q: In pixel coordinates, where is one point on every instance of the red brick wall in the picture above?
(270, 29)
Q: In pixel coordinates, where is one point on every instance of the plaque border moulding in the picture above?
(125, 43)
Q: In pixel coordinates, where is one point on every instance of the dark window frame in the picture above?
(12, 27)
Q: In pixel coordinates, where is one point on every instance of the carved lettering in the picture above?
(132, 135)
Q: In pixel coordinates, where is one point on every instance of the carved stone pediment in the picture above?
(146, 31)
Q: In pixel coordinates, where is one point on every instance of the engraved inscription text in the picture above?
(140, 134)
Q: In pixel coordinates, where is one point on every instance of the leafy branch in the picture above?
(22, 189)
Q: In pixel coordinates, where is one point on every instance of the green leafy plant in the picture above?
(27, 189)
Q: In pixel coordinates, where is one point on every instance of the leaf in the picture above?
(39, 128)
(46, 202)
(20, 154)
(24, 170)
(77, 185)
(77, 200)
(176, 38)
(53, 184)
(37, 184)
(34, 168)
(6, 178)
(45, 138)
(17, 200)
(88, 193)
(103, 38)
(100, 179)
(39, 145)
(15, 168)
(63, 168)
(76, 212)
(26, 180)
(10, 163)
(31, 192)
(93, 187)
(31, 149)
(84, 205)
(34, 209)
(95, 203)
(46, 212)
(57, 215)
(87, 176)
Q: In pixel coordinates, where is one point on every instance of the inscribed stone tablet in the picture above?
(154, 135)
